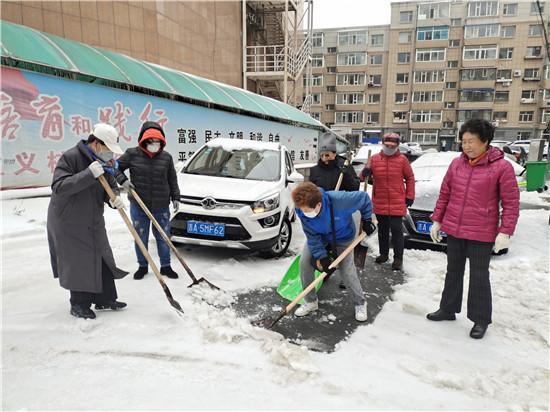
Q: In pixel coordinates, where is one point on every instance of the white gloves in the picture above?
(176, 205)
(502, 242)
(434, 232)
(127, 185)
(96, 169)
(117, 203)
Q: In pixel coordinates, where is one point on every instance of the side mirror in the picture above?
(294, 177)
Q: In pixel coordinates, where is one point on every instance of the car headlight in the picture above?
(266, 204)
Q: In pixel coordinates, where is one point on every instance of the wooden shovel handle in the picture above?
(323, 275)
(132, 230)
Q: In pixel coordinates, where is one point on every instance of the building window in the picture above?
(528, 94)
(350, 98)
(430, 55)
(428, 96)
(504, 74)
(331, 50)
(456, 22)
(405, 16)
(425, 116)
(482, 8)
(508, 31)
(424, 136)
(535, 9)
(405, 37)
(545, 117)
(448, 124)
(350, 79)
(329, 107)
(351, 59)
(316, 116)
(349, 117)
(452, 64)
(316, 80)
(400, 117)
(535, 30)
(476, 95)
(373, 117)
(375, 80)
(526, 116)
(402, 78)
(478, 74)
(331, 89)
(449, 105)
(375, 59)
(374, 99)
(523, 135)
(433, 11)
(500, 116)
(352, 38)
(450, 85)
(429, 76)
(331, 69)
(533, 52)
(531, 74)
(432, 33)
(546, 95)
(317, 60)
(317, 39)
(506, 53)
(502, 96)
(454, 43)
(377, 40)
(481, 52)
(316, 98)
(465, 115)
(401, 98)
(510, 9)
(403, 57)
(481, 30)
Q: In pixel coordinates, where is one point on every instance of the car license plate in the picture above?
(424, 227)
(206, 229)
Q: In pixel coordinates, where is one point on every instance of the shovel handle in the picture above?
(132, 230)
(341, 177)
(323, 275)
(162, 233)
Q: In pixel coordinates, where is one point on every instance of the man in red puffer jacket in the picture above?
(392, 193)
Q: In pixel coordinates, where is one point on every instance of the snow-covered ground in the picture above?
(147, 357)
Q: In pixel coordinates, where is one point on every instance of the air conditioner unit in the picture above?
(503, 80)
(503, 120)
(526, 100)
(517, 73)
(507, 84)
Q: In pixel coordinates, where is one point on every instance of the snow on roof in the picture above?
(237, 144)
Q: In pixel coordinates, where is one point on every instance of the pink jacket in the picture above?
(468, 204)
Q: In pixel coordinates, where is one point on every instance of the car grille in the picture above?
(234, 230)
(420, 215)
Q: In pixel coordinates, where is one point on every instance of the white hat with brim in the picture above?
(109, 136)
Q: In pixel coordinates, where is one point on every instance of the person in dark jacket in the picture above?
(392, 194)
(327, 222)
(80, 254)
(153, 176)
(327, 171)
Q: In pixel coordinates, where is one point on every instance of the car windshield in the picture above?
(249, 164)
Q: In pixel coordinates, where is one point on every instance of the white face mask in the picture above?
(313, 213)
(388, 151)
(106, 156)
(153, 147)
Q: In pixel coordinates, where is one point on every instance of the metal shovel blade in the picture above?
(268, 323)
(196, 282)
(175, 304)
(359, 256)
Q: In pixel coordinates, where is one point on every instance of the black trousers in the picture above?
(395, 224)
(479, 292)
(107, 294)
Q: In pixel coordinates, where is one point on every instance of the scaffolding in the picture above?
(277, 49)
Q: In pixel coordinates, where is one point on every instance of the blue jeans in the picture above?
(142, 224)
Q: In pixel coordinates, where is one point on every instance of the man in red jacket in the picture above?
(392, 193)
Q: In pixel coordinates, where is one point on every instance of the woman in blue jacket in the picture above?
(328, 224)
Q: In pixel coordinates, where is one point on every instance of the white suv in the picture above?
(236, 193)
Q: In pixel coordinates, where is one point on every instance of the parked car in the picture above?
(500, 143)
(429, 171)
(359, 160)
(236, 193)
(415, 147)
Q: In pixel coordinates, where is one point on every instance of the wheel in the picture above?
(282, 243)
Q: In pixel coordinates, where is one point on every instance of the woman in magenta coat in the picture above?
(476, 185)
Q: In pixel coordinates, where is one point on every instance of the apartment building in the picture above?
(433, 67)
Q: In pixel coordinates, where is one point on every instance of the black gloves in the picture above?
(324, 263)
(366, 172)
(409, 202)
(368, 227)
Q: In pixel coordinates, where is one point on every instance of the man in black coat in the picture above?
(80, 254)
(153, 176)
(327, 171)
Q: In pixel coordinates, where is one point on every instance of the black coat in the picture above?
(326, 176)
(76, 228)
(154, 177)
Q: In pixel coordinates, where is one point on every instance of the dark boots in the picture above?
(478, 331)
(113, 305)
(381, 259)
(440, 315)
(82, 311)
(168, 272)
(142, 271)
(397, 264)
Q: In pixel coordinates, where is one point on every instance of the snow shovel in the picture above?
(163, 234)
(141, 246)
(268, 323)
(360, 251)
(291, 284)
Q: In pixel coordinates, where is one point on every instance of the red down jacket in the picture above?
(390, 175)
(468, 203)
